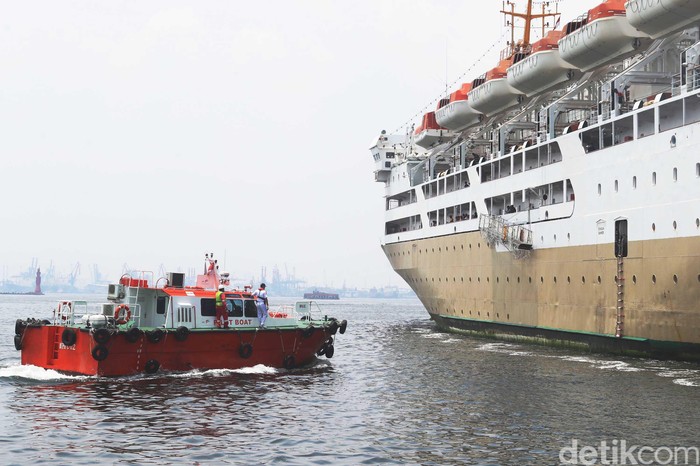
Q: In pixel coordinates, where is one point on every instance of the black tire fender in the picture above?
(101, 335)
(18, 342)
(289, 362)
(100, 353)
(69, 337)
(330, 351)
(245, 350)
(151, 366)
(181, 333)
(308, 331)
(343, 326)
(155, 335)
(133, 334)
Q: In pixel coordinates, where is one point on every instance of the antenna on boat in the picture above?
(528, 16)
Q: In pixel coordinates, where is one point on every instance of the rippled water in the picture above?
(397, 391)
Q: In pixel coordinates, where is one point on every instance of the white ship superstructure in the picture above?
(572, 214)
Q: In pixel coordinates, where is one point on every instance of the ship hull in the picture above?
(560, 294)
(202, 349)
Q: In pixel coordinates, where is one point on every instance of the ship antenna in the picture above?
(528, 16)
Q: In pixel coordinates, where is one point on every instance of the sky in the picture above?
(148, 133)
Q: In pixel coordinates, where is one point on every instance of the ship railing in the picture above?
(65, 312)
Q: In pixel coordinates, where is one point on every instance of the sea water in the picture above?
(397, 391)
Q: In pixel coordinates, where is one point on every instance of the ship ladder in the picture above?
(56, 343)
(620, 324)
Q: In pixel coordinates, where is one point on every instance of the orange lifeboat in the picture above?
(601, 37)
(491, 94)
(543, 69)
(458, 114)
(662, 17)
(430, 132)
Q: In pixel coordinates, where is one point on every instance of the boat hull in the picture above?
(658, 18)
(457, 115)
(540, 72)
(601, 42)
(554, 293)
(202, 349)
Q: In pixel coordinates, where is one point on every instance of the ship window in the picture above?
(645, 123)
(670, 115)
(208, 307)
(697, 169)
(675, 174)
(616, 185)
(606, 132)
(599, 189)
(653, 179)
(622, 130)
(250, 309)
(388, 165)
(590, 140)
(160, 305)
(235, 307)
(692, 110)
(634, 182)
(389, 155)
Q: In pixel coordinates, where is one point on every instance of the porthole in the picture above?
(675, 225)
(568, 280)
(555, 238)
(675, 174)
(653, 227)
(555, 280)
(616, 186)
(461, 279)
(675, 279)
(634, 182)
(634, 279)
(488, 279)
(507, 279)
(497, 280)
(583, 280)
(470, 279)
(478, 279)
(478, 245)
(470, 245)
(546, 214)
(653, 279)
(697, 223)
(541, 279)
(518, 279)
(433, 249)
(599, 280)
(529, 279)
(439, 249)
(600, 190)
(653, 179)
(461, 246)
(568, 236)
(507, 316)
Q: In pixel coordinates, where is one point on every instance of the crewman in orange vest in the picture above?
(221, 319)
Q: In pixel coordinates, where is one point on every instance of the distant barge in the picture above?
(321, 295)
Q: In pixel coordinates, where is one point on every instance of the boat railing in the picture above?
(65, 312)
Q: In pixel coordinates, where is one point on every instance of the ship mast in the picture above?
(528, 17)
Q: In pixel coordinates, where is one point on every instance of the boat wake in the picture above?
(28, 372)
(683, 377)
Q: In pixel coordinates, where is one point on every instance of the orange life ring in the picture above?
(117, 314)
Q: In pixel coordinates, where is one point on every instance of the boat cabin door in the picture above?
(621, 238)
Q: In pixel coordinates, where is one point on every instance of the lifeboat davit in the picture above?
(492, 94)
(430, 132)
(458, 114)
(543, 69)
(602, 37)
(658, 18)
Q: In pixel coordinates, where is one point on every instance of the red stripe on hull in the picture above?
(202, 349)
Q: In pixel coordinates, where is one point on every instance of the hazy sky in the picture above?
(151, 132)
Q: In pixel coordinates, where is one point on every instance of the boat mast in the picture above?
(528, 16)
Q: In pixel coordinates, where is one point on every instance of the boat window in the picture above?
(250, 309)
(590, 140)
(554, 152)
(645, 123)
(160, 304)
(670, 115)
(606, 132)
(235, 308)
(622, 130)
(208, 307)
(692, 110)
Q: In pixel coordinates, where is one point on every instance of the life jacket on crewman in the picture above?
(220, 300)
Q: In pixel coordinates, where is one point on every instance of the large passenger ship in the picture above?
(557, 196)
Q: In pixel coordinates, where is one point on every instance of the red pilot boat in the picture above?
(173, 327)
